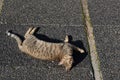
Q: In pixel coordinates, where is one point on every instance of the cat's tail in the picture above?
(16, 37)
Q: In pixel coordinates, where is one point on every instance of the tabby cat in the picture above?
(46, 50)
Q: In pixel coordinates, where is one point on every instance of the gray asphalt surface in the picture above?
(56, 18)
(106, 22)
(42, 12)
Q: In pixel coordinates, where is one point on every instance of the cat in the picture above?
(46, 50)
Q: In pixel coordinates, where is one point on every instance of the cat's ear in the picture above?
(69, 63)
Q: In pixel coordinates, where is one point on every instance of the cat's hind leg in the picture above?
(28, 31)
(34, 29)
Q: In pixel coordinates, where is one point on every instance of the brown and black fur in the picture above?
(45, 50)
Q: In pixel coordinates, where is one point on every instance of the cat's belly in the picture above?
(49, 52)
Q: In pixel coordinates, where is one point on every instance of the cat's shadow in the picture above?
(77, 56)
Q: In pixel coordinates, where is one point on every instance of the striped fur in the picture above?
(45, 50)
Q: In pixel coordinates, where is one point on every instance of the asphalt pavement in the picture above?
(56, 18)
(106, 23)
